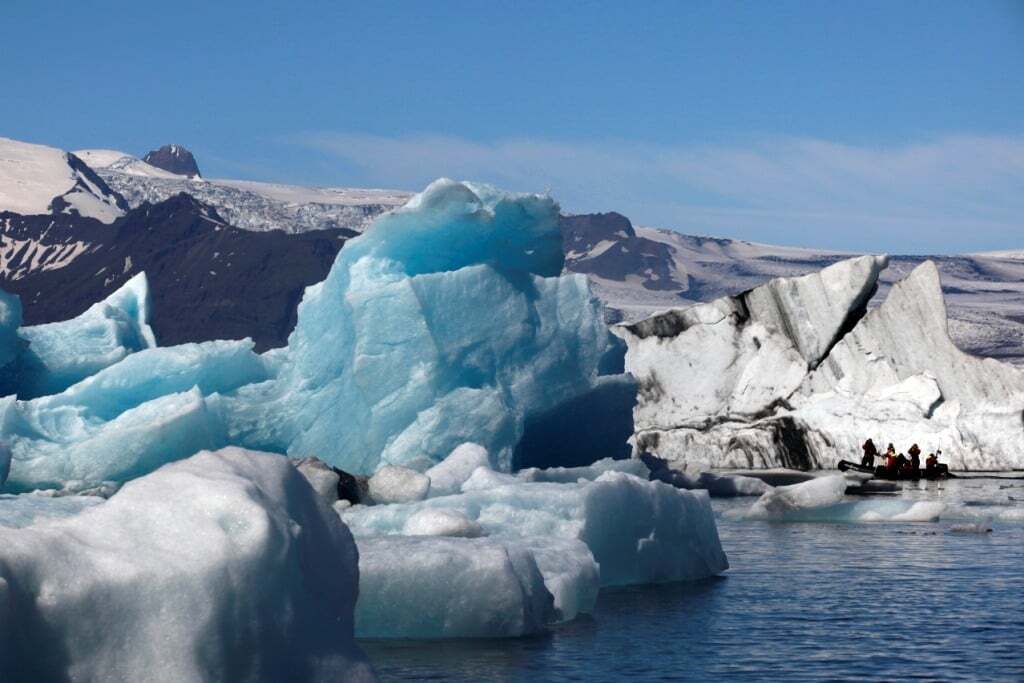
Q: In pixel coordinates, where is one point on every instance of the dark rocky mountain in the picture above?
(174, 159)
(208, 280)
(606, 245)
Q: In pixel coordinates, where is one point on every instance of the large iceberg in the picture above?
(447, 322)
(798, 373)
(224, 566)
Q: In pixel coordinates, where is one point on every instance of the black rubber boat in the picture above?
(880, 472)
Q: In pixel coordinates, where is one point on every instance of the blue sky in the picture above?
(895, 126)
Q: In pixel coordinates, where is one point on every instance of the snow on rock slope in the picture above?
(717, 391)
(35, 179)
(225, 566)
(247, 204)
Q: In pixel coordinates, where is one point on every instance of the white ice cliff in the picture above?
(798, 373)
(225, 566)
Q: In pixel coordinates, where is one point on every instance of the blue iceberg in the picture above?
(447, 322)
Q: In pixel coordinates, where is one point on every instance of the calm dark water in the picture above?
(801, 602)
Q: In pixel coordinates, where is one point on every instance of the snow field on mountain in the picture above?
(32, 176)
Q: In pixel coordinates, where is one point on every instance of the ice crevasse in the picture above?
(447, 322)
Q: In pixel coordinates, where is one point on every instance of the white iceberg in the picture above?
(222, 566)
(798, 373)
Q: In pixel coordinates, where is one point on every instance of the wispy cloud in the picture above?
(948, 194)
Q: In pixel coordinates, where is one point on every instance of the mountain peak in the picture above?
(174, 159)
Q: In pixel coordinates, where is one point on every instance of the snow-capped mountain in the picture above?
(246, 204)
(36, 179)
(638, 271)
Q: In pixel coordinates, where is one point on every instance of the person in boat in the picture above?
(915, 458)
(890, 458)
(870, 452)
(929, 464)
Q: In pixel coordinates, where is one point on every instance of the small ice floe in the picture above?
(824, 500)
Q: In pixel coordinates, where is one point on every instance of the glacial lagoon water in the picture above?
(802, 601)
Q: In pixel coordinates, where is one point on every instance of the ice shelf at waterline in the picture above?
(447, 322)
(798, 373)
(225, 566)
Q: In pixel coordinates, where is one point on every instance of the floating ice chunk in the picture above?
(127, 419)
(394, 484)
(442, 523)
(486, 478)
(63, 353)
(135, 442)
(975, 528)
(638, 531)
(717, 485)
(449, 588)
(569, 571)
(730, 485)
(815, 493)
(447, 476)
(590, 472)
(823, 500)
(225, 562)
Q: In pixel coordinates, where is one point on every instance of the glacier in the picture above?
(221, 566)
(798, 373)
